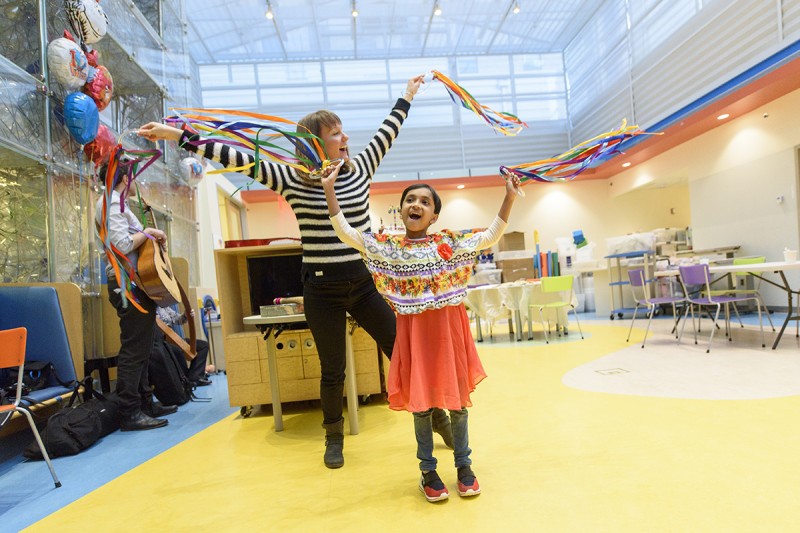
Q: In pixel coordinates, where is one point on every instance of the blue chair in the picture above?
(642, 299)
(37, 309)
(696, 283)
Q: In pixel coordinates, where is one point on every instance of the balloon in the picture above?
(87, 18)
(192, 170)
(99, 150)
(99, 86)
(82, 117)
(67, 63)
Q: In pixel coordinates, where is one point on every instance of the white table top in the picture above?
(775, 266)
(256, 320)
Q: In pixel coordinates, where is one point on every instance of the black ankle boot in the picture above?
(334, 443)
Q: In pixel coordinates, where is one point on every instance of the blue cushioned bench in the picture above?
(37, 308)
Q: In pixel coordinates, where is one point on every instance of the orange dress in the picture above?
(434, 361)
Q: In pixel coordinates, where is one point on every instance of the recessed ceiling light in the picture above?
(626, 164)
(723, 116)
(460, 186)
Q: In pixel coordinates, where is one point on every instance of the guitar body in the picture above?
(156, 278)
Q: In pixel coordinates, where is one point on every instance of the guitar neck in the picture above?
(176, 339)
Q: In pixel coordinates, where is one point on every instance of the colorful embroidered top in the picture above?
(416, 275)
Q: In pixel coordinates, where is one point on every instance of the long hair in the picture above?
(314, 122)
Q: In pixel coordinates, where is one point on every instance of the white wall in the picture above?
(735, 173)
(210, 225)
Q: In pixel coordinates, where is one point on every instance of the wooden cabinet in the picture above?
(297, 358)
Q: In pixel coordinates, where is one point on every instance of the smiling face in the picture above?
(335, 142)
(419, 208)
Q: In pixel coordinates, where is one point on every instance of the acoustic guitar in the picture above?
(157, 279)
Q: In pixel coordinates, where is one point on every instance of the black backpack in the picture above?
(167, 374)
(73, 429)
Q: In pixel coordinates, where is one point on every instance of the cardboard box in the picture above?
(513, 240)
(515, 269)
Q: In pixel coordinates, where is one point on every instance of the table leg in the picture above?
(272, 362)
(478, 328)
(350, 383)
(518, 319)
(789, 311)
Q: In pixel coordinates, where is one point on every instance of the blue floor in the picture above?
(27, 493)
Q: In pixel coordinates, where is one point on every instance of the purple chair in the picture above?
(641, 297)
(697, 276)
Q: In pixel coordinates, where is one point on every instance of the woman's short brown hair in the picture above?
(314, 122)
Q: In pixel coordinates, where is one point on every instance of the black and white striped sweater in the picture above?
(325, 257)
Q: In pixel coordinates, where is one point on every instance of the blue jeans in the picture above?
(424, 434)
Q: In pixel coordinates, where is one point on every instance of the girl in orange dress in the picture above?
(424, 278)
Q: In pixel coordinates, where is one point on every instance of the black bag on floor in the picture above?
(167, 375)
(73, 429)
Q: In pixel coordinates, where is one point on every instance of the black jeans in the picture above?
(326, 305)
(197, 366)
(136, 339)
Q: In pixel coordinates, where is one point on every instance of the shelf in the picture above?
(625, 255)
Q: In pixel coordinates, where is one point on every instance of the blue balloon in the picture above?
(82, 117)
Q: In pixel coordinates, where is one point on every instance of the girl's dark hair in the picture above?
(437, 202)
(314, 122)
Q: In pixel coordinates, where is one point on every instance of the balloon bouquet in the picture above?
(74, 65)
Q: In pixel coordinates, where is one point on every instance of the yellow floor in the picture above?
(549, 457)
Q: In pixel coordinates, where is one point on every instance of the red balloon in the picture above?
(99, 86)
(99, 150)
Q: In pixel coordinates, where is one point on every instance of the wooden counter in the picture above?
(246, 352)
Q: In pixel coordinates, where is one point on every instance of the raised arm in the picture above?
(346, 233)
(369, 158)
(155, 131)
(270, 174)
(500, 222)
(512, 191)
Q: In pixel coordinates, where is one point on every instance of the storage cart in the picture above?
(618, 278)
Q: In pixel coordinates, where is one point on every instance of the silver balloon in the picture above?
(87, 18)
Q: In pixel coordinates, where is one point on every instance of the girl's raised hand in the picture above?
(513, 184)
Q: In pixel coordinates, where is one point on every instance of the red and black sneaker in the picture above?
(467, 482)
(433, 487)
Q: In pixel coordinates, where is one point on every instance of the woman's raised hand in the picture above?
(155, 131)
(413, 86)
(330, 174)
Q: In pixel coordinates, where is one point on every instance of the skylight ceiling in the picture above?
(224, 31)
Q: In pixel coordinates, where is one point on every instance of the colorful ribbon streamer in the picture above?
(248, 132)
(135, 162)
(505, 123)
(567, 166)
